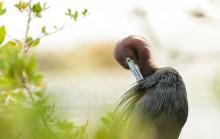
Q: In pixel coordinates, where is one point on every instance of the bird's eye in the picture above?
(128, 59)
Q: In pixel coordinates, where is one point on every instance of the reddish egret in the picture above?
(156, 106)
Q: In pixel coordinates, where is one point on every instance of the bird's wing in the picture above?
(158, 101)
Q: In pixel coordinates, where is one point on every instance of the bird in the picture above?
(156, 106)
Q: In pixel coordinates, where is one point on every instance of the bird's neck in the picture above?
(144, 60)
(147, 68)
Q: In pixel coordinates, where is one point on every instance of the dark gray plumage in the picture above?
(156, 106)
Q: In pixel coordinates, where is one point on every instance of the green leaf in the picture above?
(19, 43)
(18, 7)
(69, 12)
(43, 30)
(38, 14)
(37, 7)
(29, 39)
(10, 44)
(25, 5)
(39, 93)
(1, 3)
(75, 15)
(2, 11)
(84, 12)
(105, 120)
(65, 125)
(31, 66)
(37, 79)
(31, 42)
(35, 43)
(2, 34)
(21, 6)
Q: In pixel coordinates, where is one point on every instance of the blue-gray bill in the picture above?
(134, 69)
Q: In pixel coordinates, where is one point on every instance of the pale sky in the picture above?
(112, 20)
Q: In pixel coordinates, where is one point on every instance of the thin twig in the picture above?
(11, 37)
(25, 46)
(64, 26)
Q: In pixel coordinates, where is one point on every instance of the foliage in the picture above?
(25, 110)
(22, 6)
(35, 10)
(75, 14)
(109, 128)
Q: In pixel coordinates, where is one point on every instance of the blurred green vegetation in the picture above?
(109, 129)
(25, 111)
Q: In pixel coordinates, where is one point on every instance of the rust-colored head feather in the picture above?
(137, 49)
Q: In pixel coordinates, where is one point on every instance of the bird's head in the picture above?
(132, 53)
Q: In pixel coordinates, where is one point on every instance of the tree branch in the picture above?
(25, 46)
(65, 25)
(25, 49)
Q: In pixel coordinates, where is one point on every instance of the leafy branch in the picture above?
(25, 110)
(44, 32)
(36, 11)
(25, 47)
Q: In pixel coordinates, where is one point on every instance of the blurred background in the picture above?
(85, 80)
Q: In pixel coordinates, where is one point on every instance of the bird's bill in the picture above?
(134, 69)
